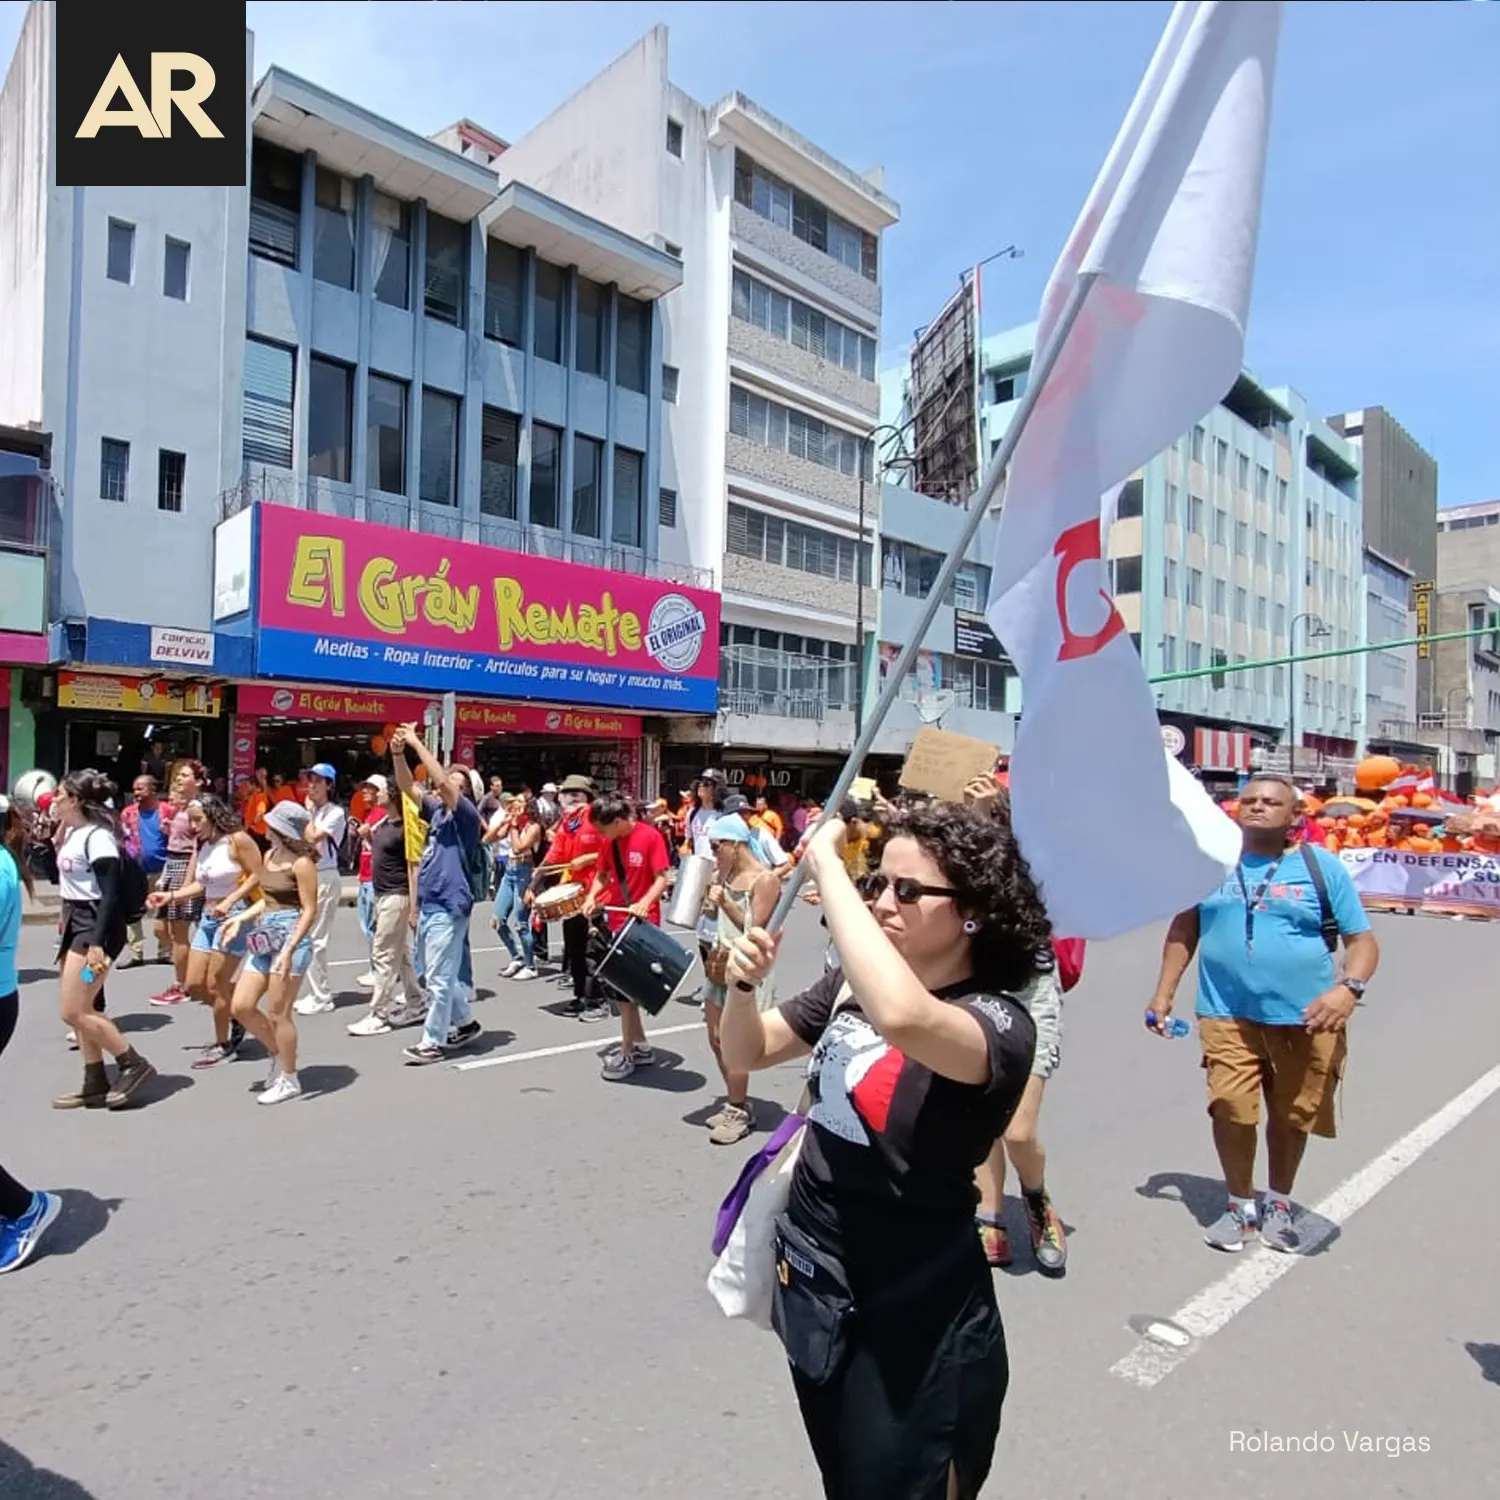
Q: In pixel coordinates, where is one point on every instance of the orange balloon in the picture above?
(1375, 772)
(388, 730)
(378, 744)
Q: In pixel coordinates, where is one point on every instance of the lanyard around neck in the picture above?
(1252, 902)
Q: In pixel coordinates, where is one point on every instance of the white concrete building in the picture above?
(769, 359)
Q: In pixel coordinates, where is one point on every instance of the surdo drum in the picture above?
(640, 963)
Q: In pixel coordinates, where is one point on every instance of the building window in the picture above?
(1169, 579)
(789, 544)
(546, 476)
(1194, 655)
(625, 510)
(669, 377)
(1260, 614)
(437, 482)
(913, 571)
(1242, 539)
(1241, 472)
(674, 138)
(333, 229)
(1221, 458)
(1195, 587)
(390, 250)
(1132, 500)
(588, 487)
(1127, 575)
(633, 344)
(1241, 600)
(499, 445)
(1218, 597)
(1221, 528)
(1197, 449)
(666, 508)
(385, 435)
(1281, 494)
(1262, 549)
(1171, 505)
(504, 293)
(1262, 483)
(793, 210)
(775, 426)
(121, 256)
(786, 318)
(275, 203)
(675, 251)
(174, 269)
(270, 380)
(114, 470)
(1195, 514)
(593, 309)
(171, 479)
(447, 272)
(329, 388)
(547, 325)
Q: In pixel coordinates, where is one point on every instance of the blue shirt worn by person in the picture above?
(443, 875)
(153, 840)
(10, 923)
(1288, 965)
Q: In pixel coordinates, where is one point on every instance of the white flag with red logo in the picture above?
(1116, 831)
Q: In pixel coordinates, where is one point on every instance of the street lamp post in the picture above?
(1316, 630)
(1450, 756)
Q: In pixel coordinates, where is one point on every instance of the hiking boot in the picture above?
(734, 1123)
(1048, 1242)
(133, 1072)
(91, 1095)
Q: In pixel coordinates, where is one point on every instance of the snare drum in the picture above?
(560, 902)
(643, 964)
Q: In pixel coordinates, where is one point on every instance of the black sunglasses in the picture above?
(908, 890)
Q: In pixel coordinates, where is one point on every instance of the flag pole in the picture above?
(1041, 371)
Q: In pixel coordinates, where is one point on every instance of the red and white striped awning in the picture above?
(1221, 749)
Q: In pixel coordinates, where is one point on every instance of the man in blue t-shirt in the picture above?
(1272, 1006)
(445, 897)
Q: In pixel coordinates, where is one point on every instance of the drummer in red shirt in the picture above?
(629, 881)
(574, 851)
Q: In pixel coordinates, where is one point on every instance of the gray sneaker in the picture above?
(1278, 1226)
(1232, 1230)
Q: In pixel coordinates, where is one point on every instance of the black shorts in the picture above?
(79, 920)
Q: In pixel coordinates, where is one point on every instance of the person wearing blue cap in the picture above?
(326, 834)
(742, 896)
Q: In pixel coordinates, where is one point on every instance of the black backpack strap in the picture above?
(1329, 924)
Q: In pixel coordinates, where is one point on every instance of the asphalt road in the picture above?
(425, 1283)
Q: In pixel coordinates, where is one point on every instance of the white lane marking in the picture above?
(1259, 1269)
(349, 963)
(594, 1043)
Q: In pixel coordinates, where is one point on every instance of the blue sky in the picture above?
(1378, 281)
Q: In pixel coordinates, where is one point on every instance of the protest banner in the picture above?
(1447, 884)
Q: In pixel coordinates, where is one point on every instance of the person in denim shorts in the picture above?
(278, 936)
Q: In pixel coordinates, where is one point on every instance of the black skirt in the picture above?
(918, 1392)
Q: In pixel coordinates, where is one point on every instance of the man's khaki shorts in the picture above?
(1298, 1071)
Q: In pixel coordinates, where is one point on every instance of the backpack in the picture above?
(478, 864)
(1069, 955)
(1328, 924)
(134, 886)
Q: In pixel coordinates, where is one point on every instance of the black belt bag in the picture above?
(813, 1311)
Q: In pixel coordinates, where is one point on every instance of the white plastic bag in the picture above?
(743, 1279)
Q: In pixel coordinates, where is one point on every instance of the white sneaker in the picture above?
(273, 1076)
(371, 1025)
(286, 1087)
(307, 1006)
(512, 969)
(366, 981)
(524, 973)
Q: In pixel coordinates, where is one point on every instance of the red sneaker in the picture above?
(174, 994)
(996, 1244)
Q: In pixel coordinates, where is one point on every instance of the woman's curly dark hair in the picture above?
(218, 814)
(980, 859)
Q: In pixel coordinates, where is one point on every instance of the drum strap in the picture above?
(614, 849)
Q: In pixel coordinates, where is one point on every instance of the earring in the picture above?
(971, 926)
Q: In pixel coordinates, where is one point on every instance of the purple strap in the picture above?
(734, 1205)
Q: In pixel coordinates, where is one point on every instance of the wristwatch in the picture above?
(1356, 987)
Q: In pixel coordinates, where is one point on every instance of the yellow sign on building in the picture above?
(138, 695)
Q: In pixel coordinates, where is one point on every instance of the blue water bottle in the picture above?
(1176, 1027)
(87, 974)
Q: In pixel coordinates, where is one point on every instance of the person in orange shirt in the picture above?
(281, 792)
(360, 804)
(256, 805)
(768, 818)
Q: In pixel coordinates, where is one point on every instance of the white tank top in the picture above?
(219, 871)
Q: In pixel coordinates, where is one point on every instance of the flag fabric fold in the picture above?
(1163, 256)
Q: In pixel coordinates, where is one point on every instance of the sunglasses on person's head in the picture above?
(908, 889)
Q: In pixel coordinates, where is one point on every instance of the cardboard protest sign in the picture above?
(943, 764)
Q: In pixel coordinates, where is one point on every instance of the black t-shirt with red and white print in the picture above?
(887, 1136)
